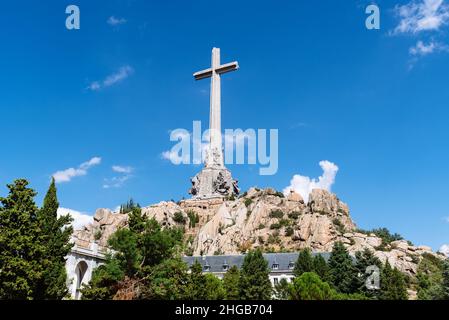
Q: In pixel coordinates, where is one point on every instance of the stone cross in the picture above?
(214, 157)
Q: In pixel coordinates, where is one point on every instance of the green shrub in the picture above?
(194, 218)
(383, 233)
(339, 225)
(179, 218)
(294, 215)
(275, 226)
(261, 226)
(273, 238)
(279, 194)
(98, 234)
(248, 202)
(289, 231)
(284, 222)
(277, 214)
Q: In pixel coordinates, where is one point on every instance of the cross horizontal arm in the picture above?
(203, 74)
(228, 67)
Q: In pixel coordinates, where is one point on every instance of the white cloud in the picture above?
(422, 49)
(424, 15)
(113, 21)
(121, 169)
(121, 74)
(118, 181)
(68, 174)
(304, 185)
(444, 249)
(115, 182)
(80, 219)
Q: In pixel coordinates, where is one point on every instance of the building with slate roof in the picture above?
(281, 265)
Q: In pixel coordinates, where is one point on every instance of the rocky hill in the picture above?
(266, 219)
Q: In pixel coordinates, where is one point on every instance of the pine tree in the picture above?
(137, 220)
(320, 267)
(365, 259)
(231, 283)
(20, 250)
(304, 263)
(55, 237)
(342, 271)
(214, 287)
(430, 278)
(392, 284)
(197, 284)
(254, 277)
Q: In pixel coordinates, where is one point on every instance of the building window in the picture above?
(206, 267)
(225, 267)
(291, 265)
(275, 266)
(275, 280)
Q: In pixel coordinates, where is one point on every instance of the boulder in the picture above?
(295, 197)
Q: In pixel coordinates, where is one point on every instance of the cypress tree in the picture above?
(20, 250)
(254, 277)
(342, 271)
(55, 237)
(231, 283)
(304, 263)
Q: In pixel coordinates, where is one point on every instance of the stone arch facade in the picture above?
(80, 264)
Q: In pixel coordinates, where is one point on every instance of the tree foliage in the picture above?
(231, 283)
(141, 252)
(33, 245)
(392, 284)
(341, 269)
(430, 278)
(446, 280)
(282, 290)
(309, 286)
(55, 237)
(254, 280)
(20, 248)
(365, 259)
(304, 263)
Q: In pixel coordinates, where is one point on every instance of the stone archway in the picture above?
(80, 277)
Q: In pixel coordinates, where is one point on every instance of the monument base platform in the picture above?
(213, 183)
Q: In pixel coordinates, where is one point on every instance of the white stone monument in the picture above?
(214, 180)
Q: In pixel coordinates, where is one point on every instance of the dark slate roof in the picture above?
(216, 263)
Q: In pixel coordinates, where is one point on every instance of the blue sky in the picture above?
(373, 102)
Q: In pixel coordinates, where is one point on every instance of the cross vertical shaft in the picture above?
(215, 110)
(214, 157)
(214, 180)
